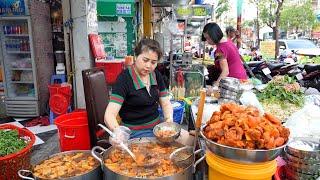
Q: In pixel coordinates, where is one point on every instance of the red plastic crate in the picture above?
(112, 69)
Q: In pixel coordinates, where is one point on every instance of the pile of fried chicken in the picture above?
(244, 127)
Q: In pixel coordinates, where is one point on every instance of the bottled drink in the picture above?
(4, 29)
(13, 29)
(18, 29)
(8, 29)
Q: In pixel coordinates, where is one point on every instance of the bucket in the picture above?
(220, 168)
(73, 131)
(178, 111)
(60, 95)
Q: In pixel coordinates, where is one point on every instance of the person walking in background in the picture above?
(227, 57)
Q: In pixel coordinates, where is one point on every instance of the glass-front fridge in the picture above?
(17, 59)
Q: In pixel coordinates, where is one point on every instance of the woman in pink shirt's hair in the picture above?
(227, 57)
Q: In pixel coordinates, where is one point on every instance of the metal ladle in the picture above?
(139, 163)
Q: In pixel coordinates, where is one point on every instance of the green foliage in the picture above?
(275, 92)
(10, 142)
(222, 7)
(298, 17)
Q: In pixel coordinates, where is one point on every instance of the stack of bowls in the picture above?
(303, 158)
(230, 90)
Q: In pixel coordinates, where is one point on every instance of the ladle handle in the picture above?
(200, 108)
(106, 129)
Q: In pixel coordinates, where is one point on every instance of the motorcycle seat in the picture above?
(253, 63)
(273, 66)
(311, 67)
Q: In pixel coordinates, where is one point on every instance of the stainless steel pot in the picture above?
(186, 174)
(93, 174)
(241, 155)
(297, 147)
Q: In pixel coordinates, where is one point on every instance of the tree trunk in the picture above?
(258, 29)
(276, 30)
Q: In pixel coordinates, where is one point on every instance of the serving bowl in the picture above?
(159, 130)
(304, 148)
(242, 155)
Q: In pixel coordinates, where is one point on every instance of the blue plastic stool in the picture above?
(53, 116)
(58, 79)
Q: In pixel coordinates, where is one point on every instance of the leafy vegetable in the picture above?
(283, 90)
(10, 142)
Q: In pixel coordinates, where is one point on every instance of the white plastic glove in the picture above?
(121, 134)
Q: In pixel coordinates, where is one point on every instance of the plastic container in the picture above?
(60, 68)
(73, 131)
(60, 96)
(12, 163)
(178, 111)
(59, 55)
(220, 168)
(112, 69)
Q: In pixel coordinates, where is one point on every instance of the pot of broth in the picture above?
(69, 165)
(118, 164)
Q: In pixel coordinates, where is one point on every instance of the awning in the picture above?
(111, 8)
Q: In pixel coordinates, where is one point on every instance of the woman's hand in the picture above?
(121, 135)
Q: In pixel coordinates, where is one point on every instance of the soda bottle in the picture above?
(8, 30)
(18, 29)
(4, 29)
(13, 29)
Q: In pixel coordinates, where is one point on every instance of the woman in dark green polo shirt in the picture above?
(137, 94)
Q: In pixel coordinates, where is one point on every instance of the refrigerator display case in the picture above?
(26, 56)
(18, 63)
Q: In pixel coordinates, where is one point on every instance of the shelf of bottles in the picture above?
(17, 58)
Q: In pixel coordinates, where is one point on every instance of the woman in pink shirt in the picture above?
(227, 57)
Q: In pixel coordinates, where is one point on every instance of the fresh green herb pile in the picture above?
(283, 90)
(10, 142)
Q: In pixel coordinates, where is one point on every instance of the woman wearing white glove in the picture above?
(137, 94)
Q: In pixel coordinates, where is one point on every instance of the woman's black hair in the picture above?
(214, 32)
(147, 45)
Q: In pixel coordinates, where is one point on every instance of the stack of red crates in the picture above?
(112, 68)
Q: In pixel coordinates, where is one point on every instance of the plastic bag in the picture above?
(248, 98)
(305, 122)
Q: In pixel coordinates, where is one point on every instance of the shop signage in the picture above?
(12, 7)
(123, 9)
(185, 11)
(267, 49)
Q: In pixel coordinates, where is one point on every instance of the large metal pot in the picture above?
(93, 174)
(242, 155)
(185, 174)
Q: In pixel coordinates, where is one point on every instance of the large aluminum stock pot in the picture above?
(60, 162)
(118, 165)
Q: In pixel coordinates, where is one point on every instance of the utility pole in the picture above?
(239, 13)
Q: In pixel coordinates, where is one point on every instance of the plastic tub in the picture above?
(73, 131)
(60, 96)
(178, 111)
(220, 168)
(112, 69)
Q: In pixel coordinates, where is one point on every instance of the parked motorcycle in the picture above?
(310, 76)
(259, 70)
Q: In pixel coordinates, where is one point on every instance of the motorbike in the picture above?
(310, 76)
(259, 70)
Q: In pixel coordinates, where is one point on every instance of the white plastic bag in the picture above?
(305, 122)
(248, 98)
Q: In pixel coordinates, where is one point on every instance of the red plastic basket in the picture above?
(12, 163)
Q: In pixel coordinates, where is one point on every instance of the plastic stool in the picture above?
(58, 79)
(53, 116)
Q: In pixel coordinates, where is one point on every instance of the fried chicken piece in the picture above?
(271, 118)
(253, 134)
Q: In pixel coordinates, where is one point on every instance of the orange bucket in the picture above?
(220, 168)
(73, 131)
